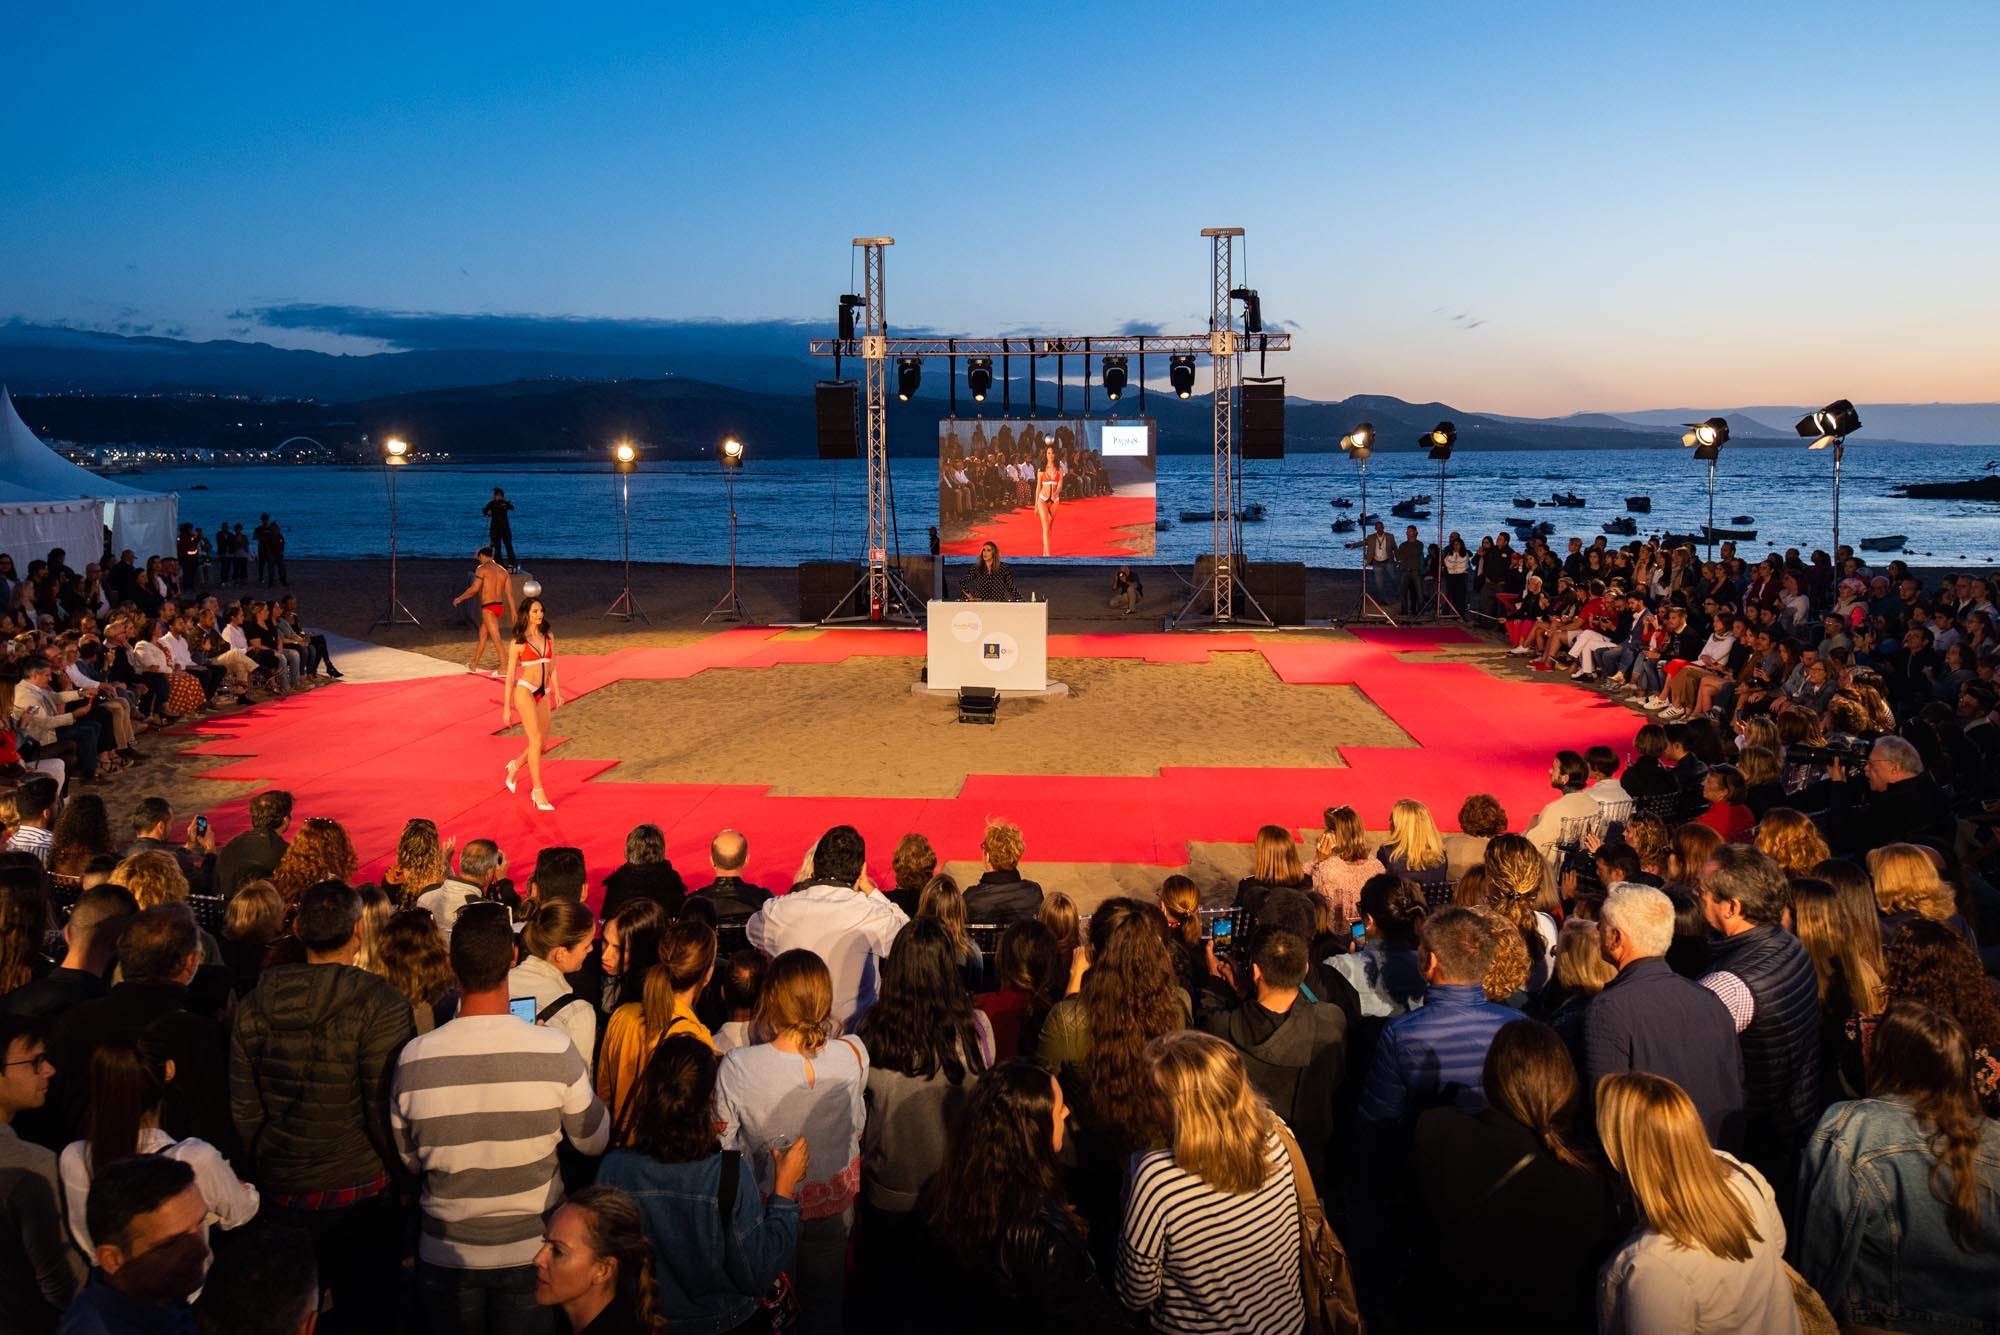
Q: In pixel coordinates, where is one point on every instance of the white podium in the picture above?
(1003, 645)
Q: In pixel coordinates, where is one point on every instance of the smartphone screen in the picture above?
(1360, 930)
(1223, 929)
(522, 1008)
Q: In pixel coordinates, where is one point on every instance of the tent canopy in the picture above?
(36, 479)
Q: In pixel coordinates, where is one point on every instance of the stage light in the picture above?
(1836, 421)
(1359, 443)
(848, 302)
(732, 453)
(1114, 377)
(624, 457)
(1180, 373)
(1440, 438)
(730, 604)
(979, 377)
(624, 463)
(909, 374)
(1253, 309)
(396, 450)
(1706, 438)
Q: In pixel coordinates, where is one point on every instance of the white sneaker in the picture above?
(1673, 713)
(1520, 651)
(1652, 702)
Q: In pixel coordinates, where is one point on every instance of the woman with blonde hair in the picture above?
(1581, 971)
(1708, 1255)
(1520, 886)
(803, 1085)
(412, 956)
(1059, 914)
(1506, 980)
(320, 851)
(1646, 836)
(1792, 841)
(1763, 780)
(422, 861)
(1276, 864)
(376, 910)
(1211, 1236)
(154, 877)
(943, 901)
(1341, 865)
(253, 919)
(1907, 885)
(686, 963)
(554, 941)
(1415, 851)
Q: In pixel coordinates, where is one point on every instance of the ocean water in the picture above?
(803, 510)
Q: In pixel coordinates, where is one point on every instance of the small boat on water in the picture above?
(1409, 509)
(1569, 500)
(1743, 519)
(1343, 526)
(1639, 505)
(1729, 534)
(1341, 503)
(1681, 540)
(1524, 502)
(1370, 519)
(1424, 499)
(1624, 524)
(1250, 514)
(1892, 543)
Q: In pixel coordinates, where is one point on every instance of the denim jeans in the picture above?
(819, 1272)
(482, 1302)
(1385, 580)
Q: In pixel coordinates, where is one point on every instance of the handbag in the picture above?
(1326, 1274)
(780, 1303)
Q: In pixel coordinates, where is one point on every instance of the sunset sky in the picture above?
(1522, 208)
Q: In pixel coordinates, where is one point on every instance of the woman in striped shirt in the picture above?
(1211, 1240)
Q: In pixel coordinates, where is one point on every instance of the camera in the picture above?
(1849, 751)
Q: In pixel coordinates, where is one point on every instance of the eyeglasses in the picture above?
(39, 1062)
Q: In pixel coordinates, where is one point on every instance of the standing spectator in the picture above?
(39, 1273)
(1028, 976)
(270, 552)
(82, 834)
(1708, 1255)
(1649, 1018)
(253, 921)
(1294, 1050)
(1211, 1237)
(1001, 894)
(628, 949)
(647, 872)
(596, 1265)
(312, 1048)
(256, 852)
(90, 936)
(718, 1243)
(1410, 566)
(554, 943)
(500, 526)
(1513, 1170)
(1767, 981)
(742, 993)
(24, 920)
(479, 1108)
(146, 1215)
(686, 955)
(839, 916)
(270, 1287)
(480, 864)
(806, 1086)
(1898, 1226)
(733, 898)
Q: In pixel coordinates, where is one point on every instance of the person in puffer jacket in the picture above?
(312, 1055)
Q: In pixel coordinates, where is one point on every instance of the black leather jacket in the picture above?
(1037, 1279)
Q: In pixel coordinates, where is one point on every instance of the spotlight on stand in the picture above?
(1114, 377)
(909, 374)
(1440, 439)
(624, 458)
(730, 604)
(395, 454)
(1359, 443)
(732, 453)
(395, 451)
(1253, 309)
(1832, 425)
(979, 377)
(1180, 373)
(1707, 438)
(624, 463)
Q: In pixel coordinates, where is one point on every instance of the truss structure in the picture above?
(889, 598)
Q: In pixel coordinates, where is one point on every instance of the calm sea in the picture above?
(799, 510)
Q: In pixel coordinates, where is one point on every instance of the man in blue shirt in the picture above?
(145, 1214)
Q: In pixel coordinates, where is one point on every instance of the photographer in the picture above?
(1892, 801)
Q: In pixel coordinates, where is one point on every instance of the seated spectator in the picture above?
(1002, 895)
(647, 873)
(1689, 852)
(1275, 864)
(152, 832)
(267, 1287)
(1415, 852)
(1728, 798)
(687, 962)
(1893, 801)
(39, 1271)
(1646, 777)
(807, 1084)
(146, 1214)
(1897, 1223)
(554, 943)
(1908, 888)
(914, 863)
(1581, 971)
(1386, 971)
(128, 1081)
(1480, 817)
(733, 898)
(254, 918)
(1211, 1238)
(1029, 974)
(742, 993)
(480, 864)
(255, 854)
(1708, 1254)
(718, 1241)
(1513, 1170)
(1931, 965)
(1614, 803)
(1001, 1249)
(90, 937)
(1294, 1050)
(1792, 841)
(596, 1265)
(1342, 863)
(838, 916)
(1563, 822)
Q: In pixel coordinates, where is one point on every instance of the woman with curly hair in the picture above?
(1342, 864)
(1480, 819)
(927, 1047)
(320, 851)
(1932, 964)
(1908, 887)
(1520, 887)
(1507, 974)
(82, 832)
(411, 954)
(1002, 1249)
(1792, 841)
(596, 1265)
(422, 862)
(913, 864)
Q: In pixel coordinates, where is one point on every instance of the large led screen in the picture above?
(1047, 487)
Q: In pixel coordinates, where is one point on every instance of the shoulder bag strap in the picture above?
(1301, 1179)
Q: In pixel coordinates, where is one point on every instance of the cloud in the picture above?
(1141, 328)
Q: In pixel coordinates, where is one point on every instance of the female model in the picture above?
(531, 670)
(1048, 492)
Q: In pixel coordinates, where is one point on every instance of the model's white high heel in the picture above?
(542, 800)
(512, 766)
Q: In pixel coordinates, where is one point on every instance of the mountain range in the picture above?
(675, 391)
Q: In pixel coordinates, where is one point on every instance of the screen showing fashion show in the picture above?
(1056, 487)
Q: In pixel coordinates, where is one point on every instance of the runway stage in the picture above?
(1167, 745)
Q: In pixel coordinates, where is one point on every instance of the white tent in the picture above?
(47, 501)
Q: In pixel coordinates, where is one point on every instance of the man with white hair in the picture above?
(1649, 1018)
(1892, 801)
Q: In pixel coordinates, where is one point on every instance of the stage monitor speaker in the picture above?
(1278, 586)
(836, 409)
(1264, 418)
(821, 584)
(978, 704)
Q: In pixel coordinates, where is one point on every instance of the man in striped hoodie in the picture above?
(480, 1107)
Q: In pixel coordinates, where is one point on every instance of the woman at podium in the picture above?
(988, 581)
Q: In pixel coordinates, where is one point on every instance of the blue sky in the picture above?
(1631, 206)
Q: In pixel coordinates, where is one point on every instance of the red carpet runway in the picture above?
(1093, 526)
(372, 755)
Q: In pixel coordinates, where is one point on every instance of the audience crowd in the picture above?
(1710, 1042)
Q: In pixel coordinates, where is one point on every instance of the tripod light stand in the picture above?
(1707, 439)
(625, 462)
(730, 605)
(1357, 445)
(395, 455)
(1440, 439)
(1832, 425)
